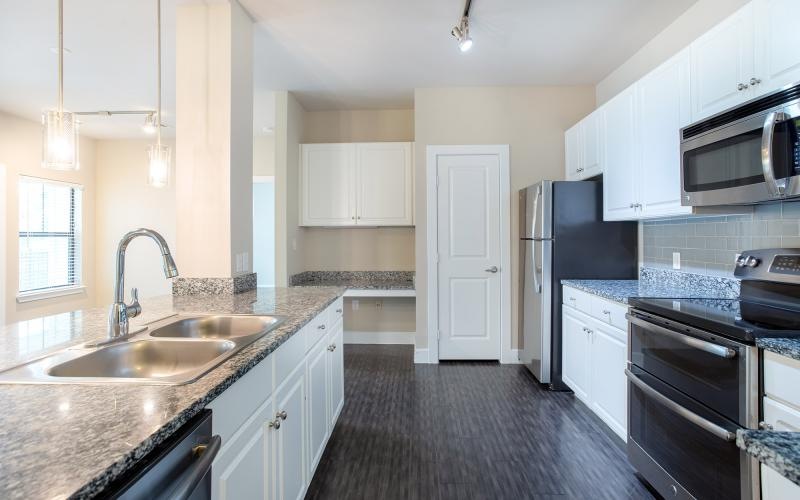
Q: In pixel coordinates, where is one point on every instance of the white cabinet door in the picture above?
(575, 353)
(591, 145)
(776, 487)
(619, 176)
(572, 153)
(336, 366)
(777, 42)
(723, 62)
(241, 470)
(327, 185)
(318, 406)
(663, 105)
(290, 439)
(608, 384)
(385, 186)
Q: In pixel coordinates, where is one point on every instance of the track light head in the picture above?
(461, 33)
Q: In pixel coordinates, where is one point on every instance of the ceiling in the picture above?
(356, 54)
(343, 54)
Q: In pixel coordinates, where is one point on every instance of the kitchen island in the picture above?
(74, 440)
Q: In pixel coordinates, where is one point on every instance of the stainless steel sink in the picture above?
(217, 327)
(175, 351)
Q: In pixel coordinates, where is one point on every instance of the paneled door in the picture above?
(469, 250)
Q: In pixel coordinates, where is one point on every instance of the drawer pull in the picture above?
(281, 415)
(321, 327)
(607, 312)
(702, 345)
(339, 311)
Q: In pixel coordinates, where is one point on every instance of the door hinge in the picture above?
(437, 182)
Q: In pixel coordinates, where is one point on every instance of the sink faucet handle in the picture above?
(134, 309)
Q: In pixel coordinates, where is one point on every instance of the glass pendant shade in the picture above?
(60, 140)
(159, 157)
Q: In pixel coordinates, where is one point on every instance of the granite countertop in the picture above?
(60, 441)
(658, 283)
(358, 280)
(779, 450)
(786, 347)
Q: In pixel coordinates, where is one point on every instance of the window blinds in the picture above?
(49, 235)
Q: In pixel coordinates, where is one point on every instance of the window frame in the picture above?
(75, 240)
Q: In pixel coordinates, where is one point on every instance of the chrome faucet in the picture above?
(121, 312)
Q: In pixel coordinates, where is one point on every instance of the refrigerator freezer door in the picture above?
(539, 211)
(536, 307)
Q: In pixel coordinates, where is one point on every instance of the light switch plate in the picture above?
(676, 260)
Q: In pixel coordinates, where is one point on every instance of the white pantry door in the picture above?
(468, 221)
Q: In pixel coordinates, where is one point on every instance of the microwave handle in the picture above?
(689, 415)
(776, 187)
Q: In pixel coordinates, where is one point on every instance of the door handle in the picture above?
(492, 269)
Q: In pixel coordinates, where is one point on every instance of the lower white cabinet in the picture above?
(781, 413)
(594, 354)
(276, 420)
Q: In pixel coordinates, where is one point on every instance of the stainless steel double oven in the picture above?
(689, 390)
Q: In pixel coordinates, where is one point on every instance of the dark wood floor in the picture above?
(464, 431)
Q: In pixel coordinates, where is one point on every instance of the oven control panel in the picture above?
(774, 264)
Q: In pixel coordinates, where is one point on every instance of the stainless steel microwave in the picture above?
(748, 154)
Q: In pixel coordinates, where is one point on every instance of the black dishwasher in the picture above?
(179, 468)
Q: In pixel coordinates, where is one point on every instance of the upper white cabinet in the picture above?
(751, 53)
(583, 148)
(619, 178)
(357, 184)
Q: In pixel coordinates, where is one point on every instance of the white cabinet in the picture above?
(336, 366)
(290, 438)
(594, 355)
(619, 176)
(723, 64)
(357, 184)
(327, 187)
(583, 148)
(777, 42)
(318, 395)
(575, 353)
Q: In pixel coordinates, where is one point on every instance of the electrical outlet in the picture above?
(355, 305)
(378, 304)
(676, 260)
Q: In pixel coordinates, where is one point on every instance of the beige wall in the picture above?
(125, 202)
(362, 249)
(20, 152)
(393, 315)
(531, 120)
(264, 155)
(698, 19)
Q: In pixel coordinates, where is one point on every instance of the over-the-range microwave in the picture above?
(748, 154)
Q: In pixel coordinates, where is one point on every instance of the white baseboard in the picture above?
(401, 338)
(421, 356)
(511, 357)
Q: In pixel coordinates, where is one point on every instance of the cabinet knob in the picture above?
(339, 311)
(275, 424)
(353, 217)
(606, 311)
(331, 348)
(281, 415)
(755, 81)
(321, 327)
(580, 170)
(765, 426)
(742, 86)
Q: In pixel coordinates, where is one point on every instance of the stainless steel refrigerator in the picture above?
(563, 236)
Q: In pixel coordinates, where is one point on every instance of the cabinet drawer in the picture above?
(290, 354)
(780, 416)
(581, 301)
(335, 311)
(780, 376)
(317, 328)
(610, 313)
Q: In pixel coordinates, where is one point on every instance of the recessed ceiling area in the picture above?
(360, 54)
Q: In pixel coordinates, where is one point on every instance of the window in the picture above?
(49, 236)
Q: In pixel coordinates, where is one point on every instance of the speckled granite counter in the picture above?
(58, 441)
(658, 283)
(360, 280)
(785, 347)
(779, 450)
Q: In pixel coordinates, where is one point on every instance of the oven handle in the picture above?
(689, 415)
(711, 348)
(775, 187)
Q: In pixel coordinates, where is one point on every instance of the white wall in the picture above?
(125, 202)
(531, 120)
(264, 230)
(264, 155)
(20, 152)
(2, 246)
(698, 19)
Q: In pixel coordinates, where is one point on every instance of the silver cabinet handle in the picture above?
(339, 311)
(281, 415)
(321, 327)
(275, 424)
(709, 347)
(606, 311)
(579, 170)
(679, 410)
(742, 86)
(755, 81)
(492, 269)
(776, 187)
(332, 347)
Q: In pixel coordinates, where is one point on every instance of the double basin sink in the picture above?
(173, 351)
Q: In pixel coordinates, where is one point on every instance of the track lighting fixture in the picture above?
(461, 30)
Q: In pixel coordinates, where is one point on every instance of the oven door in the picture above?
(706, 367)
(682, 448)
(726, 166)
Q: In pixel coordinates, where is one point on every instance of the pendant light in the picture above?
(59, 127)
(158, 155)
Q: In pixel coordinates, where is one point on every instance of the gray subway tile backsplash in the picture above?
(708, 245)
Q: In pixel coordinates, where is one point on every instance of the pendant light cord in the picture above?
(61, 58)
(158, 44)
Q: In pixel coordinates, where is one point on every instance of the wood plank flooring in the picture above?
(464, 431)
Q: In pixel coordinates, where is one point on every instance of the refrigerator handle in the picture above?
(536, 285)
(536, 210)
